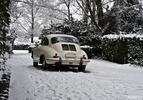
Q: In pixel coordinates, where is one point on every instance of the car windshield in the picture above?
(64, 39)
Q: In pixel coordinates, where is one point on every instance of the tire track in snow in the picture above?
(75, 86)
(69, 87)
(103, 83)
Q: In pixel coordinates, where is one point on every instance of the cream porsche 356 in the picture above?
(60, 51)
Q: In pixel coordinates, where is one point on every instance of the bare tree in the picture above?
(28, 14)
(25, 13)
(89, 8)
(94, 10)
(65, 7)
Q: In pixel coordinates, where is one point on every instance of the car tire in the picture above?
(55, 69)
(44, 64)
(35, 64)
(81, 68)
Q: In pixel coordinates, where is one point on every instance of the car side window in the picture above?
(45, 41)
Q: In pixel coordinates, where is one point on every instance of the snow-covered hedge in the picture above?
(135, 49)
(89, 50)
(21, 47)
(93, 47)
(25, 44)
(123, 48)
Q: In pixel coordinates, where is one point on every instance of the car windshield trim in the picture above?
(64, 39)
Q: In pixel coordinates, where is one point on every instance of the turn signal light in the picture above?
(84, 57)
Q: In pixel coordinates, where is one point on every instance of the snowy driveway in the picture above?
(101, 81)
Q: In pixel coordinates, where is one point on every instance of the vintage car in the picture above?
(59, 51)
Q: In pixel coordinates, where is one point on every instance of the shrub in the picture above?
(135, 48)
(21, 47)
(115, 50)
(123, 49)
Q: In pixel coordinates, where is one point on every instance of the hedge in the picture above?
(123, 50)
(21, 47)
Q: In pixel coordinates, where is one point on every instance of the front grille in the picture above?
(68, 47)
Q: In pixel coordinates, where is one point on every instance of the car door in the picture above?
(38, 51)
(43, 47)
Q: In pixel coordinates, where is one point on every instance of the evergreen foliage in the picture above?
(123, 50)
(4, 23)
(115, 50)
(135, 48)
(124, 17)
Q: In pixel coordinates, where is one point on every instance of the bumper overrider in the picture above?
(72, 62)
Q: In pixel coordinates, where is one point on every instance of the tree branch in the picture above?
(92, 16)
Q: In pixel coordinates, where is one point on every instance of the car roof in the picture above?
(55, 35)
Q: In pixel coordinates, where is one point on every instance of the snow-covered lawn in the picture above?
(102, 81)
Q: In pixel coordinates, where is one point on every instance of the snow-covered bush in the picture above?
(4, 25)
(115, 50)
(21, 47)
(123, 48)
(135, 49)
(97, 46)
(89, 50)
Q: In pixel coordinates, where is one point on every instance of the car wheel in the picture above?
(44, 64)
(35, 64)
(81, 68)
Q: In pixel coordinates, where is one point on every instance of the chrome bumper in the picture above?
(67, 61)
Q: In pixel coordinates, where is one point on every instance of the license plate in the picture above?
(70, 63)
(70, 56)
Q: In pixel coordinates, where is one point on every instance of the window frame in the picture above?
(45, 41)
(56, 41)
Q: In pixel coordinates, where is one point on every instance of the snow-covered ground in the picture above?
(102, 81)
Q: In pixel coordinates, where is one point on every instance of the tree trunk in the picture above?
(32, 24)
(85, 17)
(68, 7)
(100, 14)
(93, 8)
(92, 16)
